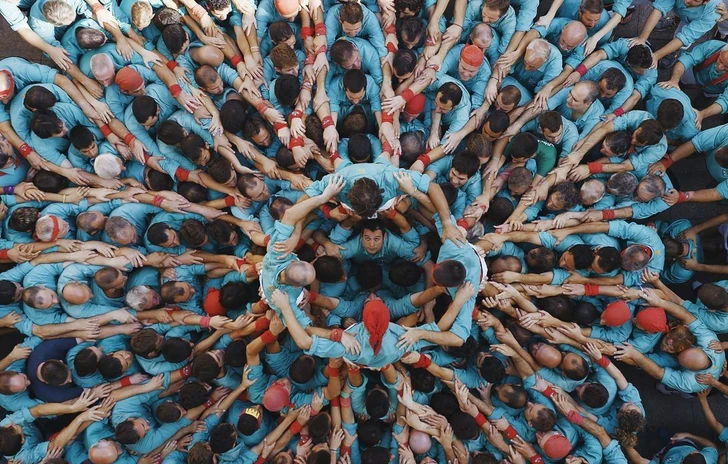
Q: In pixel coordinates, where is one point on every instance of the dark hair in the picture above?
(450, 92)
(558, 306)
(46, 124)
(713, 296)
(193, 233)
(569, 194)
(171, 132)
(355, 80)
(235, 353)
(371, 432)
(329, 269)
(377, 403)
(247, 424)
(464, 426)
(594, 395)
(192, 147)
(144, 108)
(618, 142)
(54, 372)
(466, 162)
(404, 62)
(412, 29)
(670, 113)
(639, 56)
(205, 368)
(39, 98)
(365, 197)
(584, 313)
(650, 132)
(279, 31)
(360, 148)
(168, 412)
(544, 421)
(233, 115)
(319, 427)
(444, 403)
(110, 367)
(524, 145)
(498, 121)
(85, 362)
(223, 438)
(10, 441)
(351, 12)
(174, 38)
(583, 256)
(157, 233)
(90, 38)
(302, 369)
(614, 79)
(176, 350)
(286, 89)
(449, 273)
(125, 433)
(405, 273)
(49, 182)
(551, 120)
(540, 259)
(193, 394)
(369, 275)
(492, 370)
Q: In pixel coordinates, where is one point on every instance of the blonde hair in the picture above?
(58, 12)
(141, 14)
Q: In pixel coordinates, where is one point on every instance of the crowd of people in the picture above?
(310, 232)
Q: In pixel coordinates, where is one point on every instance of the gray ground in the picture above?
(666, 414)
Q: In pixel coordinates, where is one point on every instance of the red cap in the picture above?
(652, 320)
(472, 55)
(376, 321)
(616, 313)
(276, 397)
(128, 79)
(556, 446)
(211, 305)
(416, 105)
(286, 7)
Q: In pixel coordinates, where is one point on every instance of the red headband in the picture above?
(56, 228)
(10, 89)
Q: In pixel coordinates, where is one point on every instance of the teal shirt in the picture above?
(595, 74)
(643, 157)
(505, 26)
(686, 129)
(474, 84)
(617, 51)
(698, 19)
(677, 454)
(684, 380)
(472, 188)
(25, 73)
(674, 272)
(370, 28)
(46, 30)
(535, 80)
(46, 275)
(586, 122)
(34, 448)
(709, 141)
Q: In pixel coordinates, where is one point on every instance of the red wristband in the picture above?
(424, 362)
(25, 150)
(334, 156)
(618, 112)
(510, 432)
(205, 322)
(386, 117)
(262, 324)
(306, 32)
(183, 175)
(575, 418)
(425, 159)
(591, 290)
(4, 254)
(296, 428)
(332, 371)
(321, 49)
(129, 138)
(295, 114)
(327, 121)
(603, 362)
(171, 64)
(608, 214)
(296, 142)
(186, 371)
(326, 210)
(260, 460)
(549, 392)
(310, 59)
(345, 402)
(105, 130)
(266, 240)
(312, 295)
(387, 147)
(335, 403)
(158, 200)
(682, 197)
(236, 60)
(667, 161)
(408, 95)
(268, 337)
(391, 214)
(125, 381)
(229, 200)
(320, 29)
(480, 419)
(261, 106)
(336, 335)
(391, 48)
(278, 126)
(175, 90)
(595, 167)
(581, 69)
(535, 459)
(209, 403)
(391, 29)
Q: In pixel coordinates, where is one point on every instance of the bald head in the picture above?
(546, 355)
(103, 452)
(76, 293)
(300, 273)
(102, 69)
(572, 35)
(694, 359)
(482, 36)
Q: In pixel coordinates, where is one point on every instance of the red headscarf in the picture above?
(376, 321)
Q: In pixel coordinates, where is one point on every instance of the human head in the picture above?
(448, 97)
(610, 82)
(537, 52)
(58, 12)
(572, 35)
(582, 95)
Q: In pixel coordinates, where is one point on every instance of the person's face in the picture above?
(216, 87)
(552, 137)
(576, 100)
(372, 241)
(125, 358)
(667, 344)
(590, 20)
(555, 202)
(172, 239)
(604, 92)
(152, 300)
(92, 151)
(18, 383)
(532, 410)
(205, 156)
(105, 79)
(356, 97)
(490, 15)
(351, 29)
(221, 14)
(490, 134)
(259, 192)
(605, 150)
(354, 62)
(442, 107)
(693, 3)
(722, 64)
(567, 261)
(630, 406)
(141, 427)
(467, 71)
(46, 298)
(6, 147)
(263, 138)
(63, 132)
(138, 92)
(149, 123)
(292, 71)
(3, 210)
(532, 61)
(456, 178)
(566, 44)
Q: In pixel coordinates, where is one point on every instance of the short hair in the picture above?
(498, 121)
(233, 115)
(713, 296)
(466, 162)
(283, 56)
(371, 432)
(654, 185)
(369, 275)
(569, 193)
(58, 12)
(286, 89)
(46, 123)
(405, 273)
(450, 92)
(412, 29)
(551, 120)
(510, 95)
(7, 292)
(235, 295)
(199, 453)
(650, 132)
(193, 394)
(168, 412)
(365, 197)
(412, 5)
(450, 273)
(90, 38)
(670, 113)
(193, 146)
(10, 441)
(166, 16)
(144, 342)
(413, 145)
(54, 372)
(584, 313)
(194, 193)
(302, 369)
(541, 259)
(355, 122)
(377, 403)
(136, 297)
(205, 368)
(444, 403)
(174, 38)
(501, 208)
(622, 183)
(618, 142)
(544, 421)
(524, 145)
(341, 51)
(110, 367)
(49, 181)
(519, 179)
(279, 31)
(404, 61)
(144, 108)
(608, 258)
(355, 80)
(141, 13)
(125, 433)
(217, 5)
(39, 98)
(492, 370)
(329, 269)
(594, 395)
(81, 137)
(639, 56)
(221, 170)
(220, 230)
(170, 132)
(157, 233)
(193, 233)
(614, 79)
(558, 306)
(360, 148)
(85, 362)
(351, 12)
(583, 256)
(500, 5)
(464, 426)
(235, 353)
(24, 219)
